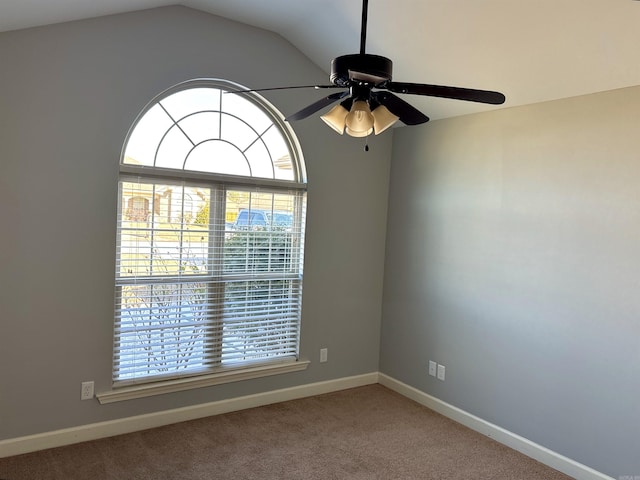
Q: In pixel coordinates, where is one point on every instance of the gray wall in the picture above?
(513, 258)
(68, 94)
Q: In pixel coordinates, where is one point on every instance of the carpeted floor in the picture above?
(363, 433)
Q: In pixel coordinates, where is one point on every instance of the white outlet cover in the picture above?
(87, 391)
(441, 372)
(432, 368)
(323, 355)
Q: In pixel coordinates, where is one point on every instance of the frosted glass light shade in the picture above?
(359, 121)
(383, 119)
(335, 118)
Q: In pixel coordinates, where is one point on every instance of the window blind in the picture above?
(208, 277)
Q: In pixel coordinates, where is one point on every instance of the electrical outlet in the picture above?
(87, 391)
(323, 355)
(441, 372)
(432, 368)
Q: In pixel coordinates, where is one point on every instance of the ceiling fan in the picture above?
(367, 93)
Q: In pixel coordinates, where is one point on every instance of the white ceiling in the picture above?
(532, 51)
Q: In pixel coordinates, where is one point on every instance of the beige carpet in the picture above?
(363, 433)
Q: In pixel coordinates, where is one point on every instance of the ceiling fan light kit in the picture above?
(368, 101)
(360, 121)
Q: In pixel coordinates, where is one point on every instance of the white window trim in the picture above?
(188, 383)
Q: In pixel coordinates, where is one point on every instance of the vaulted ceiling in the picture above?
(532, 51)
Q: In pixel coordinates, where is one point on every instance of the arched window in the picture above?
(210, 232)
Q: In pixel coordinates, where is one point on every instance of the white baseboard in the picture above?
(94, 431)
(58, 438)
(512, 440)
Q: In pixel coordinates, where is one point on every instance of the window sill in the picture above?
(178, 385)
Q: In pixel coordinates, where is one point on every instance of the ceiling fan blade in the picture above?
(268, 89)
(408, 114)
(457, 93)
(316, 106)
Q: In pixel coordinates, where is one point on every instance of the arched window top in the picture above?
(202, 126)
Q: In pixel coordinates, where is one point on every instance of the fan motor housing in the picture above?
(360, 69)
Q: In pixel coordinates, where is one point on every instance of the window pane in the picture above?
(260, 160)
(237, 132)
(185, 102)
(162, 329)
(171, 238)
(260, 320)
(173, 149)
(280, 153)
(201, 126)
(237, 105)
(283, 168)
(218, 156)
(134, 258)
(143, 142)
(262, 237)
